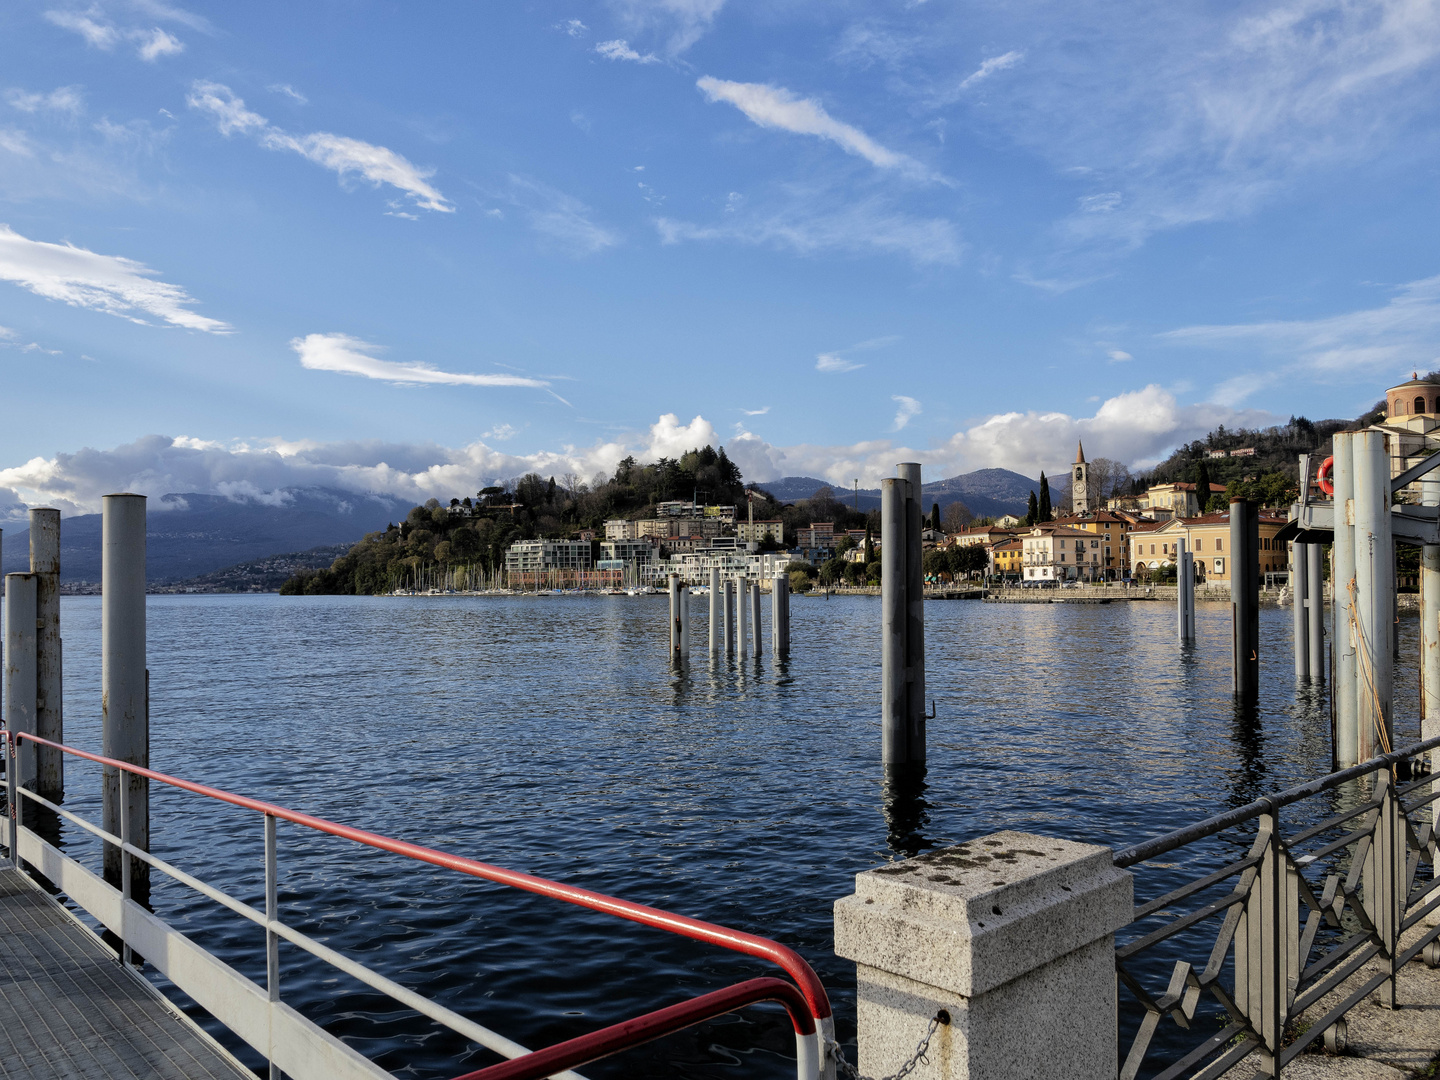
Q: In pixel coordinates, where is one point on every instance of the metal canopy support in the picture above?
(1373, 593)
(1342, 577)
(1299, 589)
(1315, 615)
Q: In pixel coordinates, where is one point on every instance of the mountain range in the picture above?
(987, 492)
(188, 535)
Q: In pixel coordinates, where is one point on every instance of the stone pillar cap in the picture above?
(972, 917)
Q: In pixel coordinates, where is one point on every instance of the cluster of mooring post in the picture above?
(734, 623)
(1245, 596)
(34, 700)
(902, 619)
(1185, 594)
(1364, 589)
(124, 684)
(1308, 590)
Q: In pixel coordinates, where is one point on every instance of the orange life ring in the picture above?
(1322, 477)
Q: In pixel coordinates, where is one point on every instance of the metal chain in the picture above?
(850, 1072)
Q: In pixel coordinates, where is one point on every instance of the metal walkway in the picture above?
(70, 1011)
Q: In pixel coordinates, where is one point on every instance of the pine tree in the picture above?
(869, 545)
(1202, 485)
(1032, 514)
(1045, 514)
(935, 517)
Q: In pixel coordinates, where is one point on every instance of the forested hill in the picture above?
(1277, 449)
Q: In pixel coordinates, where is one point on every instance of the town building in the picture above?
(1113, 530)
(758, 531)
(527, 560)
(1059, 553)
(621, 529)
(1413, 426)
(820, 534)
(1208, 538)
(988, 535)
(1007, 559)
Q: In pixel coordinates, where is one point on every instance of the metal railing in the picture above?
(297, 1047)
(1300, 915)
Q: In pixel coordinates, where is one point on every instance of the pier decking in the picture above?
(70, 1011)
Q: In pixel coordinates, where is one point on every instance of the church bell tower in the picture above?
(1080, 494)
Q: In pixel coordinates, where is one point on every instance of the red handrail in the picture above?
(790, 961)
(648, 1028)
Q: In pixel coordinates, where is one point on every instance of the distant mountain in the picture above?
(190, 535)
(987, 492)
(259, 575)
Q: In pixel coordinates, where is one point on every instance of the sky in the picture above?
(417, 248)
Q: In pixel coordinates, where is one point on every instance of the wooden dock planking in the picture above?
(69, 1010)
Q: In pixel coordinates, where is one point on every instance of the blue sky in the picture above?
(414, 248)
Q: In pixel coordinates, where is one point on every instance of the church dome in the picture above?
(1418, 397)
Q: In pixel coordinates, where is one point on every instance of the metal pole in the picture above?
(1374, 604)
(1190, 597)
(742, 622)
(685, 622)
(49, 703)
(20, 685)
(674, 592)
(915, 615)
(1299, 586)
(1315, 612)
(717, 600)
(1430, 627)
(780, 616)
(1245, 597)
(755, 616)
(123, 682)
(272, 916)
(1342, 580)
(1182, 616)
(729, 611)
(893, 699)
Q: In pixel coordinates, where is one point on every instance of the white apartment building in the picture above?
(773, 528)
(620, 529)
(694, 566)
(1057, 553)
(539, 555)
(642, 551)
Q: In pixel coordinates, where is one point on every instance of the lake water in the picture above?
(548, 734)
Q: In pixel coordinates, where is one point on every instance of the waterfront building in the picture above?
(1009, 521)
(629, 551)
(757, 531)
(621, 529)
(1113, 531)
(1208, 538)
(1059, 553)
(821, 534)
(988, 535)
(1007, 559)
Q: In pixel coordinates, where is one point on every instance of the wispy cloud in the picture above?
(756, 412)
(990, 66)
(108, 283)
(620, 49)
(1119, 356)
(64, 99)
(777, 108)
(1395, 337)
(812, 222)
(909, 409)
(572, 27)
(834, 364)
(351, 356)
(345, 156)
(289, 91)
(101, 33)
(562, 219)
(684, 20)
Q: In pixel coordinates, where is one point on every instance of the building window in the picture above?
(1419, 404)
(1199, 543)
(1219, 546)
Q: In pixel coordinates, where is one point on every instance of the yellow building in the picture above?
(1007, 558)
(1114, 534)
(1208, 537)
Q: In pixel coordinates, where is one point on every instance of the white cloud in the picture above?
(351, 356)
(16, 142)
(1396, 337)
(1119, 356)
(65, 99)
(572, 27)
(1101, 203)
(621, 50)
(560, 218)
(776, 107)
(686, 20)
(157, 43)
(756, 412)
(501, 432)
(343, 155)
(909, 409)
(289, 91)
(990, 66)
(90, 25)
(834, 364)
(812, 223)
(108, 283)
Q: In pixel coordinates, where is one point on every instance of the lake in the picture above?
(548, 734)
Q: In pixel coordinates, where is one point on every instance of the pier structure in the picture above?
(902, 619)
(1245, 597)
(717, 602)
(124, 682)
(49, 683)
(755, 618)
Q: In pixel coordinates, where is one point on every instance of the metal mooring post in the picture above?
(717, 599)
(729, 614)
(1430, 628)
(755, 617)
(1374, 593)
(123, 680)
(894, 701)
(742, 611)
(20, 685)
(1315, 612)
(914, 614)
(1245, 596)
(685, 621)
(1183, 597)
(1299, 589)
(673, 583)
(49, 702)
(1342, 581)
(780, 616)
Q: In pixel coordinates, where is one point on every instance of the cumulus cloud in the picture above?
(351, 356)
(345, 156)
(1138, 427)
(64, 99)
(777, 108)
(101, 33)
(572, 27)
(620, 49)
(157, 43)
(909, 409)
(108, 283)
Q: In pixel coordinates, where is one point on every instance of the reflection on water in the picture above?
(550, 734)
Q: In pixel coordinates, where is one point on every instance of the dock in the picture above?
(69, 1010)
